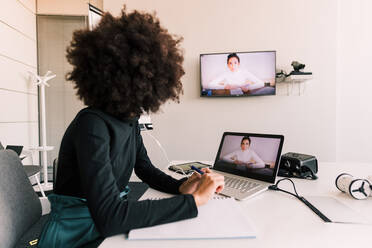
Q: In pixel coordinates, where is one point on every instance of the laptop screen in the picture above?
(250, 155)
(17, 149)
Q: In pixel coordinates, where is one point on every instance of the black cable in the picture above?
(301, 198)
(294, 187)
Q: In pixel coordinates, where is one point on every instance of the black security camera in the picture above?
(297, 66)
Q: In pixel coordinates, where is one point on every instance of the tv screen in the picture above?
(238, 73)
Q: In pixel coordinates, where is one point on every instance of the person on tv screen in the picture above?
(245, 157)
(124, 67)
(236, 78)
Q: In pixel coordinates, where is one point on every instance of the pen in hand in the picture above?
(197, 170)
(209, 184)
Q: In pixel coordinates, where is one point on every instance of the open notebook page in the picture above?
(220, 218)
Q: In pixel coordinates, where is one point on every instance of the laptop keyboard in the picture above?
(240, 184)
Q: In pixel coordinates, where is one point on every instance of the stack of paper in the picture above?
(219, 218)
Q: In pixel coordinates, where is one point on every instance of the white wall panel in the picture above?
(354, 84)
(29, 4)
(25, 134)
(15, 76)
(18, 107)
(14, 14)
(18, 97)
(17, 46)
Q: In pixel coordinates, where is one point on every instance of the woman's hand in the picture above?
(209, 184)
(191, 184)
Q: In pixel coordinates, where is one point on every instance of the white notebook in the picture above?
(220, 218)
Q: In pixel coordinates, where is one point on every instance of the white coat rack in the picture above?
(41, 81)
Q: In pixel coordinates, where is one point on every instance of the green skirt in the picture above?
(70, 223)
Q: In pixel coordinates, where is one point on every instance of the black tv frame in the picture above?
(241, 95)
(266, 178)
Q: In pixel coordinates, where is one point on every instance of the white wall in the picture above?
(18, 96)
(297, 29)
(354, 133)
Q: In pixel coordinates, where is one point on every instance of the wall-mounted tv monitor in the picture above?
(238, 74)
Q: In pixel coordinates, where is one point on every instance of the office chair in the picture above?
(20, 207)
(32, 171)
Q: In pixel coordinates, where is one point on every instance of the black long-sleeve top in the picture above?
(97, 156)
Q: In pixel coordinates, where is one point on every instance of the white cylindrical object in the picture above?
(360, 189)
(343, 181)
(43, 133)
(43, 119)
(369, 178)
(357, 188)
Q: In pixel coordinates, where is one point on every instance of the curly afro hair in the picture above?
(126, 65)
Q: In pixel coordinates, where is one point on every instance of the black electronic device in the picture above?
(297, 66)
(298, 165)
(17, 149)
(185, 168)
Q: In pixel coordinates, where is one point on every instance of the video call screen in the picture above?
(238, 74)
(248, 156)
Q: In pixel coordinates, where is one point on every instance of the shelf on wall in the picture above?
(296, 79)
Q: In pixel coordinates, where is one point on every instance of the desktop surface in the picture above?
(281, 220)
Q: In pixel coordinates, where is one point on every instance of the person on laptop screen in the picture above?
(125, 66)
(236, 78)
(245, 157)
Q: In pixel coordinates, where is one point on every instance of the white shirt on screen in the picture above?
(238, 78)
(246, 156)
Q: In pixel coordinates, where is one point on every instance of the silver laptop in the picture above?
(249, 162)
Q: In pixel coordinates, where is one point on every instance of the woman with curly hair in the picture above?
(124, 67)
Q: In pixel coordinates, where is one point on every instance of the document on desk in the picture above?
(336, 211)
(220, 218)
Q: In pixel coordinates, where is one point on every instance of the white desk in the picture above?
(283, 221)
